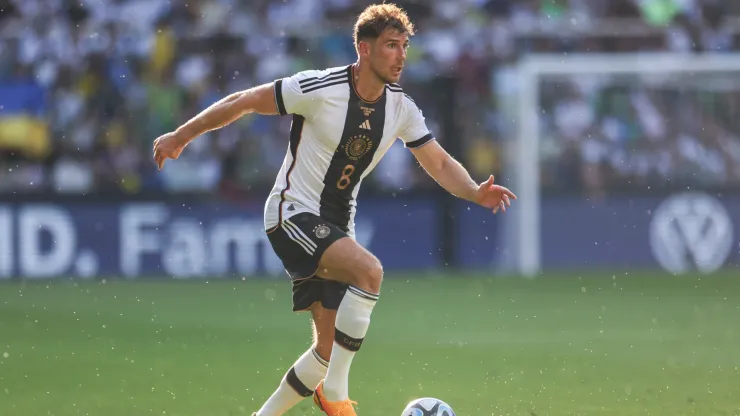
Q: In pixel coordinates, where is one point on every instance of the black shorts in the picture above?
(299, 242)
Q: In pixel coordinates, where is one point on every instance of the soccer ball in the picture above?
(428, 407)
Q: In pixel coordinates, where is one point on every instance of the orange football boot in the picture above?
(343, 408)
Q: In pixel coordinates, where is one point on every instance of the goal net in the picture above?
(624, 124)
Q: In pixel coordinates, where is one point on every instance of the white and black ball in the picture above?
(428, 407)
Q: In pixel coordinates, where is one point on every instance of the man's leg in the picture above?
(323, 332)
(348, 262)
(300, 380)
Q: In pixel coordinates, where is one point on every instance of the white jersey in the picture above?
(336, 140)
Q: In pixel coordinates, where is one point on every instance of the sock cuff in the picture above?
(318, 358)
(347, 342)
(363, 294)
(295, 382)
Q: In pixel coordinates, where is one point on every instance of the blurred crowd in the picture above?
(641, 133)
(87, 85)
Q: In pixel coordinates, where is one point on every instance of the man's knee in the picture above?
(350, 263)
(370, 276)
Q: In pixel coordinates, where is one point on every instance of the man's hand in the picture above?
(453, 177)
(493, 197)
(168, 146)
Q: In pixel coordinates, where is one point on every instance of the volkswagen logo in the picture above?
(691, 232)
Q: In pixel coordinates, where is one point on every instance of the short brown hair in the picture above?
(375, 19)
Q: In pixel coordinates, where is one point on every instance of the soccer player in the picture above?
(344, 120)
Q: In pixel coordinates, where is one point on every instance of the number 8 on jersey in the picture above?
(345, 179)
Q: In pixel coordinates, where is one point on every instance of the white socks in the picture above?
(353, 319)
(297, 384)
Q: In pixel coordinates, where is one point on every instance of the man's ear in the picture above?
(364, 48)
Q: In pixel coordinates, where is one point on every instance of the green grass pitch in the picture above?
(580, 344)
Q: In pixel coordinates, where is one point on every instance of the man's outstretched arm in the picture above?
(455, 179)
(260, 100)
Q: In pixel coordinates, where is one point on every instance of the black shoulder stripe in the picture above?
(389, 88)
(317, 82)
(393, 84)
(325, 85)
(301, 82)
(409, 97)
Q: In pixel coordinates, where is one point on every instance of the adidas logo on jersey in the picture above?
(365, 125)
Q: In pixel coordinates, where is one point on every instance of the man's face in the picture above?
(388, 55)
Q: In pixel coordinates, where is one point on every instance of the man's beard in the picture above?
(382, 77)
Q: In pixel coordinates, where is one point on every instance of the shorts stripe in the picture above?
(301, 233)
(290, 232)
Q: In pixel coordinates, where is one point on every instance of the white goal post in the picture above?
(524, 230)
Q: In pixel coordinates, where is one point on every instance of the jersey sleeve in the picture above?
(291, 99)
(415, 132)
